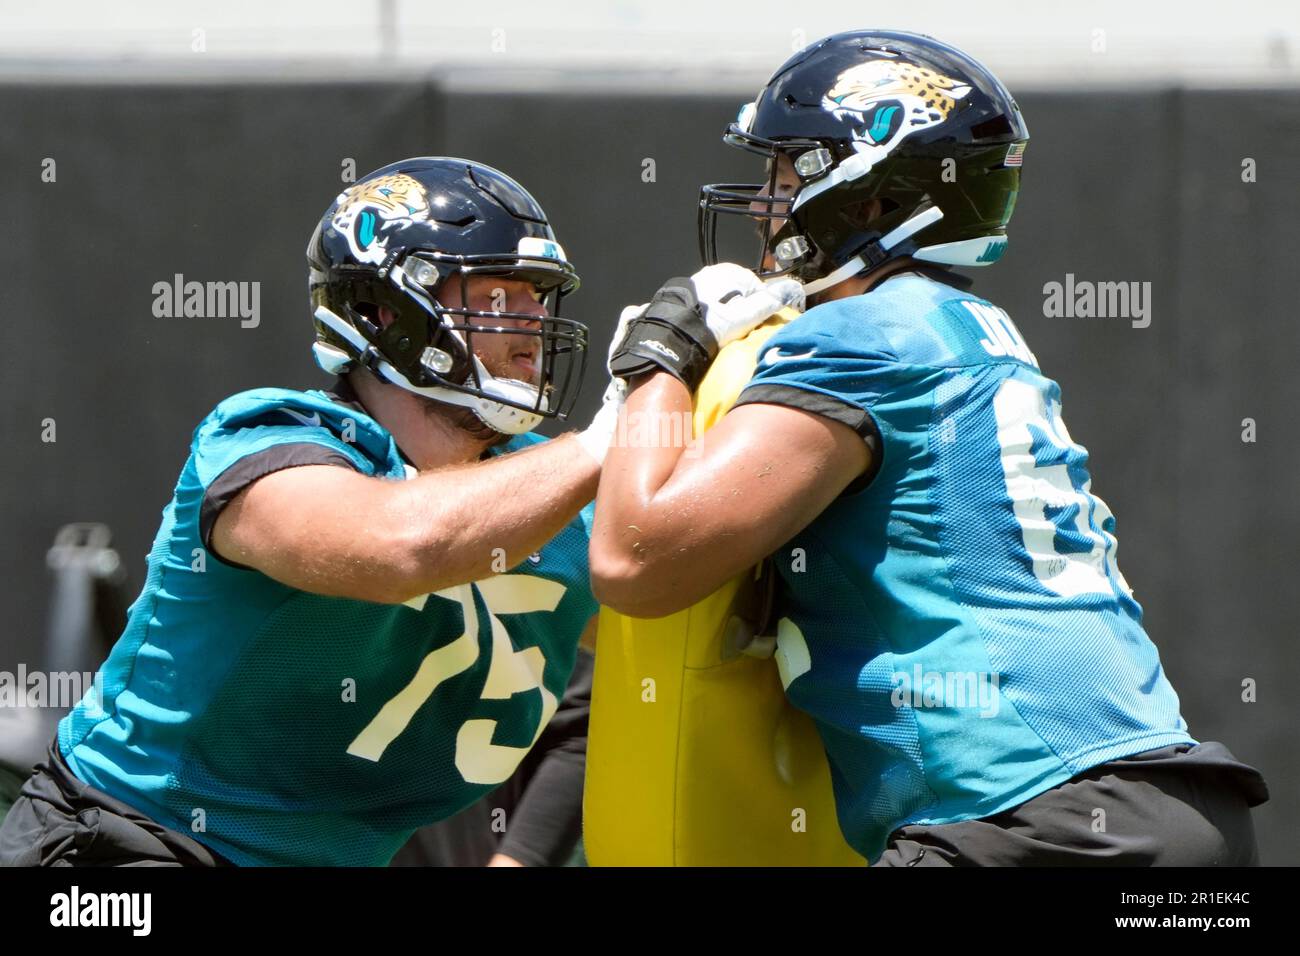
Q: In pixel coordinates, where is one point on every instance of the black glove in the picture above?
(671, 334)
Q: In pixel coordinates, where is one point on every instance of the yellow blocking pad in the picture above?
(694, 756)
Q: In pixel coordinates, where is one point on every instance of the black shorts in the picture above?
(58, 820)
(1177, 806)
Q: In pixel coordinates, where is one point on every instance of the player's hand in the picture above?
(596, 437)
(689, 320)
(670, 334)
(735, 301)
(629, 313)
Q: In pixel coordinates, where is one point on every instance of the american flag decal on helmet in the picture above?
(1015, 155)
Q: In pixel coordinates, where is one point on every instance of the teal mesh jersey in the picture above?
(959, 629)
(282, 727)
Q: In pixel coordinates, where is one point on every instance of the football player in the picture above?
(950, 611)
(363, 604)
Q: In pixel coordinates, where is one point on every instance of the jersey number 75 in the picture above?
(511, 672)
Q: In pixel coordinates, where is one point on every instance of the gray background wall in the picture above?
(224, 182)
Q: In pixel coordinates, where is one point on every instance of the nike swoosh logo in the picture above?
(313, 422)
(774, 355)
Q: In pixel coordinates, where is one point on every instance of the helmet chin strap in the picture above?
(886, 242)
(501, 418)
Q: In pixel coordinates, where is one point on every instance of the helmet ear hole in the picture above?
(370, 312)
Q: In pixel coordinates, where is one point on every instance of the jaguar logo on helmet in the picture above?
(888, 99)
(365, 211)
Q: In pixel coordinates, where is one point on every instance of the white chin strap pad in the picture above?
(505, 418)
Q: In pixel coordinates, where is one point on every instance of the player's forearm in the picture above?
(637, 468)
(472, 521)
(641, 536)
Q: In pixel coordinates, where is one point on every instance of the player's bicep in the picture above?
(756, 479)
(773, 468)
(311, 527)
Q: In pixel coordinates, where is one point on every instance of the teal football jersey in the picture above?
(958, 628)
(278, 726)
